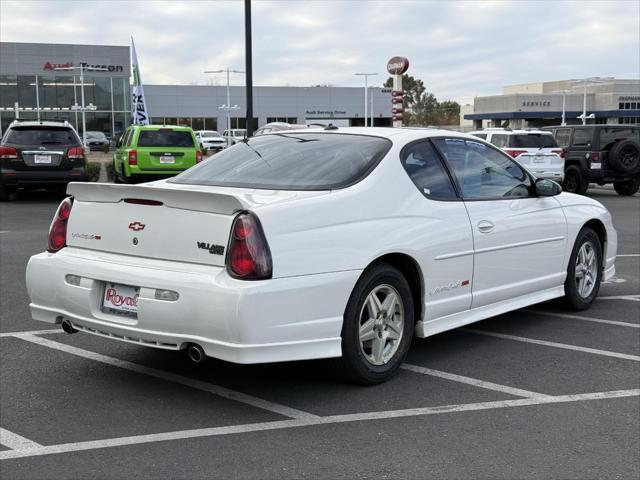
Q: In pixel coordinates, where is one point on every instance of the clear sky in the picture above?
(459, 49)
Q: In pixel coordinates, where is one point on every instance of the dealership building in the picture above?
(610, 100)
(42, 81)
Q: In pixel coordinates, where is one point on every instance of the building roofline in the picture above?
(557, 114)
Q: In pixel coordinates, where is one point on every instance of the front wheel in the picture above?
(378, 326)
(574, 181)
(627, 188)
(584, 272)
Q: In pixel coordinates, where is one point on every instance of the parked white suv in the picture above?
(535, 149)
(210, 139)
(234, 135)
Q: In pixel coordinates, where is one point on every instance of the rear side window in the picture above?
(532, 140)
(563, 136)
(44, 136)
(581, 137)
(480, 135)
(422, 164)
(499, 140)
(608, 135)
(165, 138)
(291, 162)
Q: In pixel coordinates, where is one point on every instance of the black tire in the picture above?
(5, 194)
(624, 156)
(574, 181)
(627, 188)
(573, 298)
(354, 363)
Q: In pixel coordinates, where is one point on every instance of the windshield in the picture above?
(96, 136)
(165, 138)
(532, 140)
(32, 136)
(209, 134)
(291, 162)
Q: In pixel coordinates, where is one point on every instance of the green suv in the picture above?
(151, 152)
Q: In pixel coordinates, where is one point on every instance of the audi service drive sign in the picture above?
(396, 66)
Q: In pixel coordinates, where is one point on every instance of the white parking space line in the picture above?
(335, 419)
(472, 381)
(594, 351)
(172, 377)
(633, 298)
(586, 319)
(32, 332)
(629, 255)
(16, 442)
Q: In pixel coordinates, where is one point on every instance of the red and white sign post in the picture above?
(396, 67)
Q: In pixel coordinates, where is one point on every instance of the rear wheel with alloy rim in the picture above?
(378, 325)
(584, 272)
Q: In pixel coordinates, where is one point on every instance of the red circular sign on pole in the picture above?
(397, 65)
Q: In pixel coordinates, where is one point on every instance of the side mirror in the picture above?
(547, 188)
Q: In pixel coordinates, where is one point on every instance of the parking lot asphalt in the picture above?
(536, 393)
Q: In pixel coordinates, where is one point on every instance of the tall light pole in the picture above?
(228, 106)
(366, 88)
(564, 105)
(585, 82)
(82, 107)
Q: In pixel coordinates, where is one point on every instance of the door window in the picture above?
(499, 140)
(563, 135)
(582, 137)
(484, 173)
(425, 169)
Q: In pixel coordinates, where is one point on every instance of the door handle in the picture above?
(485, 226)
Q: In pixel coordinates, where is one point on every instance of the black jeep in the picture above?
(600, 154)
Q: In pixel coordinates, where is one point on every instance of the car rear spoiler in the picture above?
(211, 202)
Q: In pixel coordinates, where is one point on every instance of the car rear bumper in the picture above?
(20, 178)
(284, 319)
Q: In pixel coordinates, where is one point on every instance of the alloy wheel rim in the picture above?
(586, 272)
(381, 324)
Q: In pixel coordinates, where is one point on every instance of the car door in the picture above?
(518, 238)
(443, 240)
(118, 155)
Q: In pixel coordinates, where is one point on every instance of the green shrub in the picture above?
(93, 171)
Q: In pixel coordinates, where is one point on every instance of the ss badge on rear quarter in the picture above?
(213, 249)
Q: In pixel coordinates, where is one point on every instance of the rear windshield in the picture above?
(209, 134)
(165, 138)
(291, 162)
(36, 136)
(532, 140)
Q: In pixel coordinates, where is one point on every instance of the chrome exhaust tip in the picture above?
(67, 327)
(196, 353)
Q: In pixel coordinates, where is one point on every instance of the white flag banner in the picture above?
(139, 113)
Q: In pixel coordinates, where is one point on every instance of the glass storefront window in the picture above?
(8, 90)
(27, 91)
(102, 93)
(119, 98)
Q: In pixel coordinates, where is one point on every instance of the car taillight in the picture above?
(58, 229)
(75, 153)
(133, 157)
(595, 156)
(198, 156)
(248, 255)
(558, 151)
(513, 153)
(8, 152)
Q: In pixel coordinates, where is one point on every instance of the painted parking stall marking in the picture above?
(546, 343)
(16, 442)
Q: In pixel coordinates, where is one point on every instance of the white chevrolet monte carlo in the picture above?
(335, 243)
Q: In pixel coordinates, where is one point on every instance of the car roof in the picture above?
(161, 127)
(39, 123)
(399, 135)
